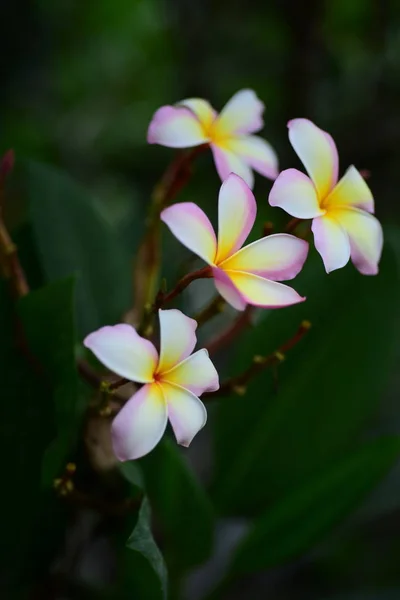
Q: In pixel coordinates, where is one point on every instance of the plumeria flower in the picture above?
(242, 275)
(194, 122)
(343, 224)
(172, 382)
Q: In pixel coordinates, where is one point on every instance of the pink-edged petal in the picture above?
(317, 151)
(351, 191)
(227, 162)
(256, 153)
(191, 226)
(202, 109)
(177, 338)
(296, 194)
(278, 257)
(228, 290)
(331, 241)
(366, 238)
(122, 350)
(175, 127)
(242, 114)
(140, 424)
(186, 413)
(262, 292)
(197, 374)
(237, 210)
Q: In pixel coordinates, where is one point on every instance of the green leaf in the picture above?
(141, 541)
(181, 505)
(48, 321)
(71, 236)
(304, 516)
(35, 519)
(284, 431)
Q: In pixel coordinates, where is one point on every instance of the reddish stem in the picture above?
(232, 331)
(163, 299)
(291, 226)
(238, 384)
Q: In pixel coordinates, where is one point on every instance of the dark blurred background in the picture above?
(80, 82)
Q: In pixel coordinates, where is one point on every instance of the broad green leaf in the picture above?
(35, 519)
(303, 517)
(72, 237)
(181, 505)
(48, 321)
(286, 429)
(141, 541)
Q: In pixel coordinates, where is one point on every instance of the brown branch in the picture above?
(215, 307)
(13, 269)
(291, 226)
(260, 363)
(147, 263)
(232, 331)
(268, 228)
(6, 166)
(99, 382)
(162, 298)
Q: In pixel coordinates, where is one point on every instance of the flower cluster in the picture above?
(343, 226)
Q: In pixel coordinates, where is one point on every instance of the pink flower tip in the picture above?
(160, 116)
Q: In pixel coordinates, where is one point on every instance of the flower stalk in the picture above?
(238, 384)
(147, 264)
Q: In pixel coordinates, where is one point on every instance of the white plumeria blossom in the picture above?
(341, 210)
(193, 122)
(172, 381)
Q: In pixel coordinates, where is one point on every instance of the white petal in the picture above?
(191, 226)
(202, 109)
(260, 291)
(177, 338)
(187, 414)
(296, 194)
(122, 350)
(175, 127)
(237, 210)
(140, 424)
(278, 257)
(351, 191)
(317, 151)
(366, 238)
(332, 242)
(227, 162)
(228, 290)
(242, 114)
(256, 153)
(196, 374)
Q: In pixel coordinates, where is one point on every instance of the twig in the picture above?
(98, 381)
(268, 228)
(89, 374)
(6, 166)
(215, 307)
(162, 298)
(291, 226)
(8, 249)
(232, 331)
(14, 272)
(147, 264)
(238, 384)
(65, 488)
